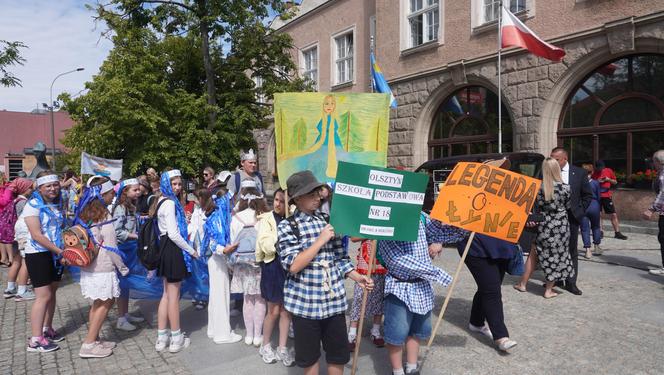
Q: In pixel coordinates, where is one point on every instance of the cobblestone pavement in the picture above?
(616, 327)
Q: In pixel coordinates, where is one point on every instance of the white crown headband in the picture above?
(249, 155)
(250, 197)
(173, 173)
(248, 184)
(106, 187)
(127, 182)
(43, 180)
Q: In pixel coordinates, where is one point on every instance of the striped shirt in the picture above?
(317, 291)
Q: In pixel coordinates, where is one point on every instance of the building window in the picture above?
(344, 58)
(258, 84)
(467, 123)
(490, 8)
(423, 21)
(310, 68)
(616, 114)
(15, 167)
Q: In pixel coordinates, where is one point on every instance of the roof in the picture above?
(305, 7)
(26, 129)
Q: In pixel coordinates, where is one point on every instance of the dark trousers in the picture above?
(573, 251)
(660, 236)
(488, 303)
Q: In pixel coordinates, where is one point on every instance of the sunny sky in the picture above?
(61, 35)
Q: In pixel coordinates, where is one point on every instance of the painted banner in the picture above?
(485, 199)
(314, 131)
(377, 203)
(94, 165)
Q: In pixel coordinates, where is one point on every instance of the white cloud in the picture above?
(61, 36)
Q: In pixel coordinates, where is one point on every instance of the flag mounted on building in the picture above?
(516, 34)
(379, 83)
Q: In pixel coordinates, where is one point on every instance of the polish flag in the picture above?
(516, 34)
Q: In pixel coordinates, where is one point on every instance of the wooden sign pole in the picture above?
(365, 294)
(450, 291)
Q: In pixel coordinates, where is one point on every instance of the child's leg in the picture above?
(14, 268)
(355, 312)
(162, 311)
(259, 315)
(50, 309)
(395, 353)
(123, 304)
(284, 325)
(22, 277)
(4, 257)
(398, 321)
(273, 310)
(98, 314)
(248, 314)
(43, 294)
(173, 291)
(412, 352)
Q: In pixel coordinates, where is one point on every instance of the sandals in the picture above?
(553, 295)
(516, 286)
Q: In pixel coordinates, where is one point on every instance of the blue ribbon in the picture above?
(167, 191)
(48, 213)
(217, 226)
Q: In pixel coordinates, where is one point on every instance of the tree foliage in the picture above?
(149, 104)
(10, 55)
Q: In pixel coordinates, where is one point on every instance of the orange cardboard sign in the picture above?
(488, 200)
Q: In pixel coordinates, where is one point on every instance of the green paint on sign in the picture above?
(377, 203)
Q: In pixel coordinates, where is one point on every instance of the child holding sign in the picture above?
(408, 290)
(316, 263)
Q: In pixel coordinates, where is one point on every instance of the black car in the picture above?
(526, 163)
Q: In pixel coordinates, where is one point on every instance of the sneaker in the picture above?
(43, 345)
(29, 295)
(52, 335)
(598, 250)
(134, 318)
(413, 372)
(484, 330)
(657, 271)
(9, 293)
(620, 236)
(506, 345)
(249, 340)
(258, 341)
(94, 350)
(178, 344)
(267, 354)
(107, 344)
(285, 356)
(162, 343)
(124, 325)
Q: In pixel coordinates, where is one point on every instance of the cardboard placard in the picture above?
(377, 203)
(485, 199)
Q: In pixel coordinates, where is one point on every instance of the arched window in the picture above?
(467, 123)
(616, 114)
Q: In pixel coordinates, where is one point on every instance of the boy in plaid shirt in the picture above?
(314, 293)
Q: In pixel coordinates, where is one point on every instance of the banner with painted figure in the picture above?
(94, 165)
(314, 131)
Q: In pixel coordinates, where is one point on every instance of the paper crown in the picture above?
(106, 187)
(173, 173)
(129, 181)
(249, 155)
(248, 184)
(43, 180)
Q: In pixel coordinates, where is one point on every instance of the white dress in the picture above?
(219, 325)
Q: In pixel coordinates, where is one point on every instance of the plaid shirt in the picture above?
(317, 291)
(658, 204)
(408, 261)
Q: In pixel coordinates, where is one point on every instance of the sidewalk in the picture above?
(616, 327)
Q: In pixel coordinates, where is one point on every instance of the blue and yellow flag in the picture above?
(379, 83)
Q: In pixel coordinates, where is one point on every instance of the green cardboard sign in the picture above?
(377, 203)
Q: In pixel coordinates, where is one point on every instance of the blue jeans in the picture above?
(400, 322)
(591, 222)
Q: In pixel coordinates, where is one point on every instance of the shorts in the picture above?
(607, 205)
(309, 333)
(400, 322)
(41, 269)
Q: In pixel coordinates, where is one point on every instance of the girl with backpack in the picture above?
(175, 263)
(9, 216)
(126, 225)
(99, 281)
(44, 219)
(242, 253)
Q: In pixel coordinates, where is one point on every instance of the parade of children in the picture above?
(278, 251)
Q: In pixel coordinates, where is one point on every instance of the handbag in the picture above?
(516, 266)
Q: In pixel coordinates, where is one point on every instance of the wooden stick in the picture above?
(451, 290)
(365, 293)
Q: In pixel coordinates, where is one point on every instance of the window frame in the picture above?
(479, 23)
(336, 82)
(424, 11)
(303, 68)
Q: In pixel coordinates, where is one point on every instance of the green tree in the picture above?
(149, 104)
(10, 54)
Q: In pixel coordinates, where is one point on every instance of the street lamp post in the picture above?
(51, 105)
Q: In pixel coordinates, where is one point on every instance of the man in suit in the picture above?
(580, 198)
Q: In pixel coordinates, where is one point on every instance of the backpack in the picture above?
(246, 248)
(7, 221)
(237, 177)
(79, 250)
(148, 241)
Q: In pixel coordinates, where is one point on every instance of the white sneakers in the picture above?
(258, 341)
(134, 319)
(657, 271)
(179, 343)
(270, 356)
(162, 343)
(249, 340)
(484, 330)
(124, 325)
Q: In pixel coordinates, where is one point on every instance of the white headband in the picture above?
(249, 155)
(248, 184)
(43, 180)
(106, 187)
(173, 173)
(250, 197)
(130, 181)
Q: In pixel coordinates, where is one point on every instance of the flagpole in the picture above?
(500, 94)
(371, 51)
